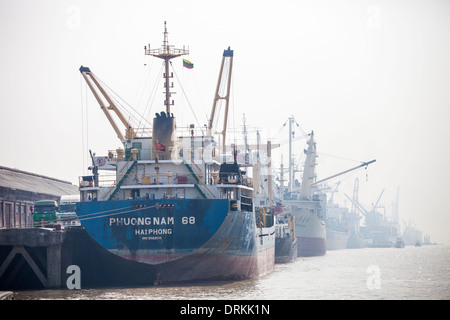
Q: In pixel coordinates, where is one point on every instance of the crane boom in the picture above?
(378, 200)
(358, 206)
(93, 83)
(365, 164)
(227, 55)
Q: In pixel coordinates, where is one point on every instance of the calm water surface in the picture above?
(387, 273)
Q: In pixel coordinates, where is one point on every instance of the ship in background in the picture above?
(308, 204)
(285, 240)
(344, 229)
(411, 235)
(427, 240)
(308, 207)
(177, 203)
(357, 239)
(377, 231)
(338, 228)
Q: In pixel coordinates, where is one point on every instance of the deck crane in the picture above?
(378, 200)
(309, 170)
(365, 212)
(358, 206)
(98, 92)
(227, 56)
(355, 196)
(364, 164)
(334, 191)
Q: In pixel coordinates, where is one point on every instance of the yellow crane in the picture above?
(227, 56)
(99, 91)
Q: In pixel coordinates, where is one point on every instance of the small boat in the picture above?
(399, 243)
(285, 240)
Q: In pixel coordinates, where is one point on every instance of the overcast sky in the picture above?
(371, 78)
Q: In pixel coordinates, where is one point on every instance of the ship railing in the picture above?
(166, 50)
(232, 178)
(110, 179)
(166, 178)
(103, 181)
(204, 147)
(143, 132)
(190, 131)
(178, 152)
(128, 154)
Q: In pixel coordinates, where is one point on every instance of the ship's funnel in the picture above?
(162, 138)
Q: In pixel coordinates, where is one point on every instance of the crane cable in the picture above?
(187, 99)
(94, 215)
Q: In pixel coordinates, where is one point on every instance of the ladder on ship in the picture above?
(201, 184)
(116, 187)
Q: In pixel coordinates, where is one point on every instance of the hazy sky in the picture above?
(371, 78)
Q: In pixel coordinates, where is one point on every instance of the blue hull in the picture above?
(185, 239)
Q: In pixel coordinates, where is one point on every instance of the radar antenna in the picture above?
(166, 52)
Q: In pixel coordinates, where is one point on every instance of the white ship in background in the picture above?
(377, 231)
(309, 209)
(338, 228)
(309, 206)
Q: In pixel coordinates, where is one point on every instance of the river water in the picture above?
(371, 273)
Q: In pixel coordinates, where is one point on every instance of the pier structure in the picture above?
(33, 257)
(30, 254)
(44, 258)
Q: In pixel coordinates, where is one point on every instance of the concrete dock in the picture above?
(43, 258)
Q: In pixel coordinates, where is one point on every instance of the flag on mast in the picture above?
(188, 64)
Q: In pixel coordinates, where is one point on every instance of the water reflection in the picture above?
(408, 273)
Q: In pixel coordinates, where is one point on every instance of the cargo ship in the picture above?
(338, 232)
(337, 239)
(309, 209)
(377, 231)
(177, 203)
(310, 228)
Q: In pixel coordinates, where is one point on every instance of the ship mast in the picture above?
(309, 169)
(291, 167)
(166, 52)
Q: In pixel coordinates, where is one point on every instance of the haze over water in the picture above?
(387, 273)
